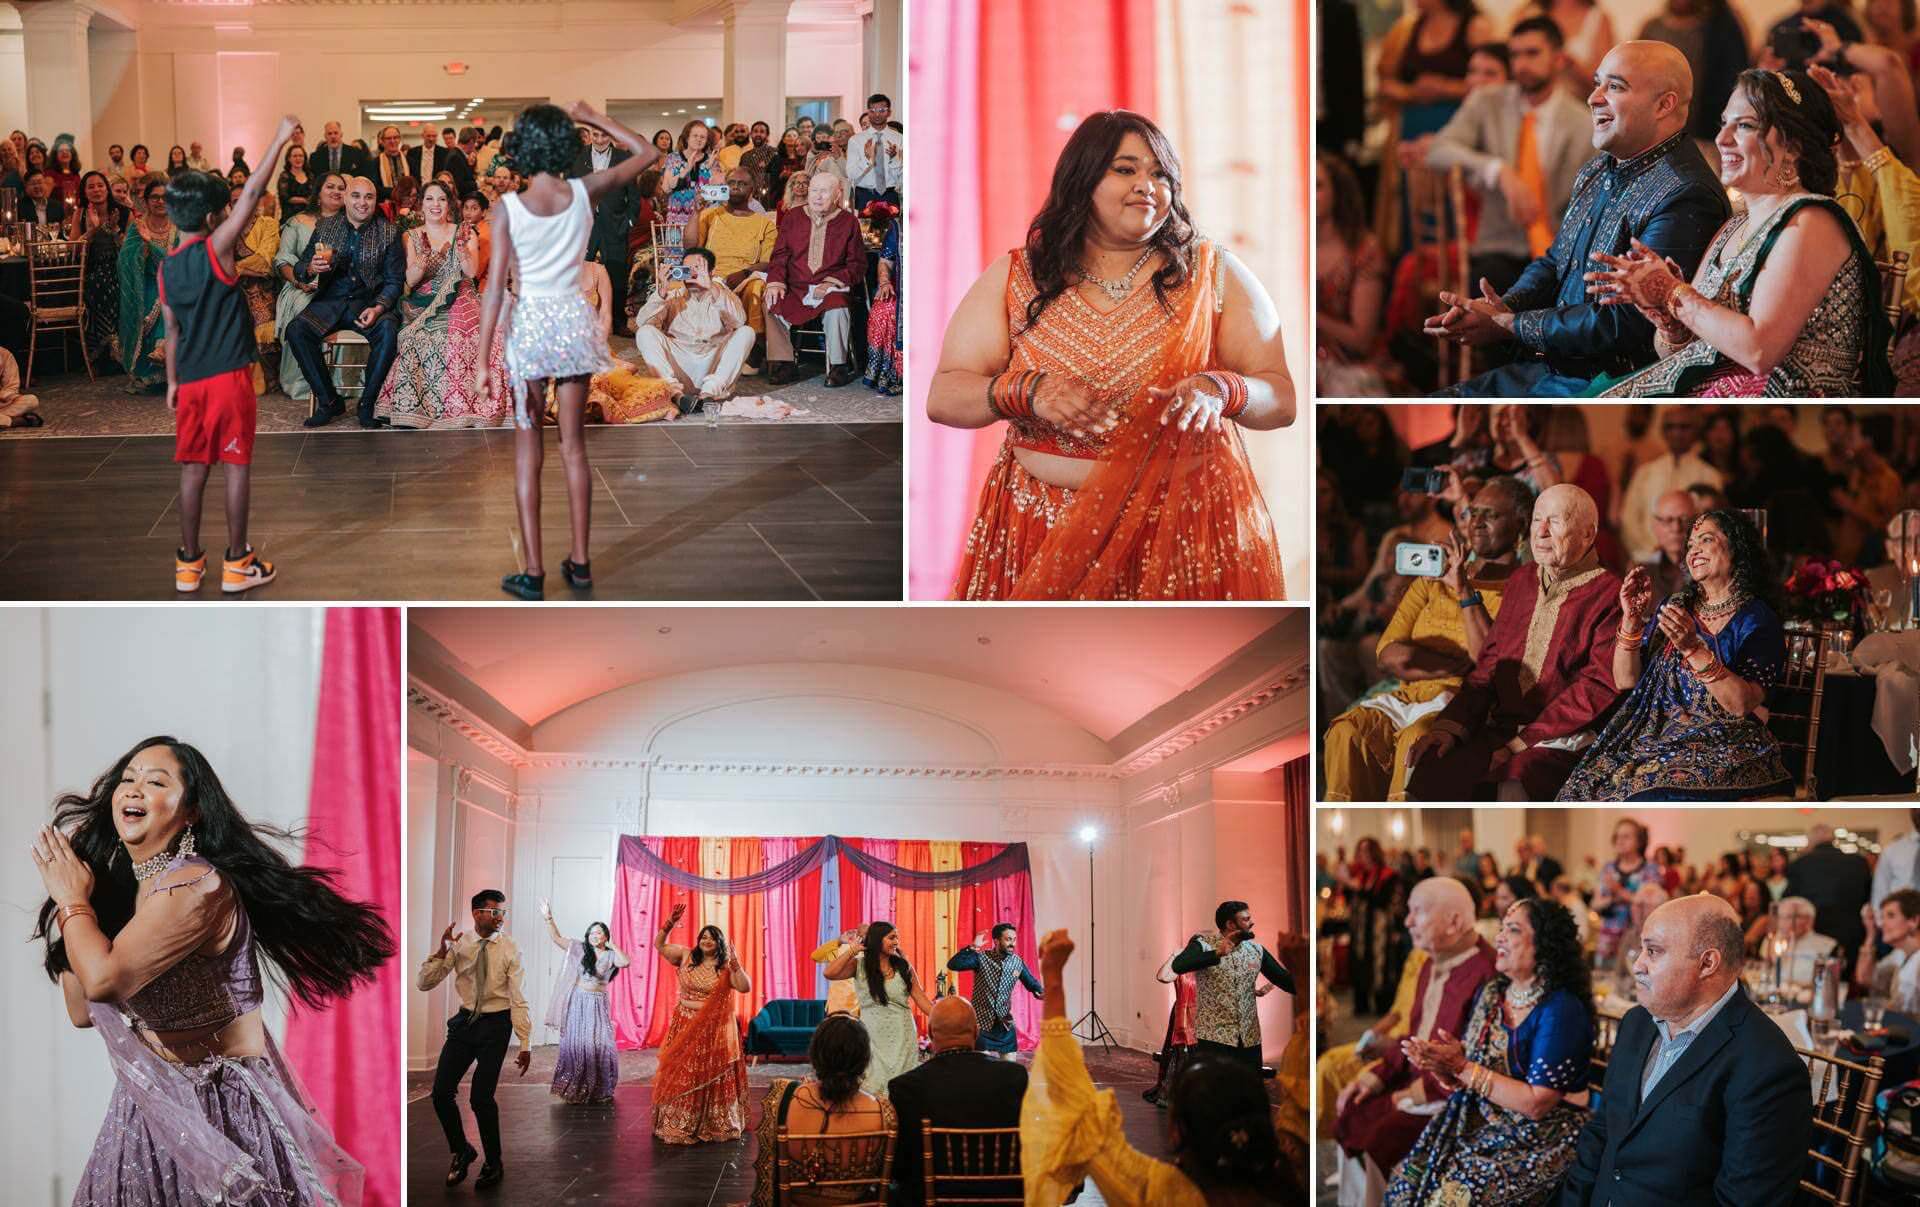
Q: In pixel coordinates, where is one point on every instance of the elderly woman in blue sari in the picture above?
(1786, 302)
(1507, 1133)
(1698, 667)
(142, 331)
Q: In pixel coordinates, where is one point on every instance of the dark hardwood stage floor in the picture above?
(680, 511)
(557, 1153)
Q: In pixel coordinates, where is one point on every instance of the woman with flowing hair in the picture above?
(700, 1093)
(588, 1067)
(1124, 353)
(163, 904)
(887, 989)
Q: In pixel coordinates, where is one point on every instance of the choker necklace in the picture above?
(1525, 999)
(1725, 607)
(1118, 290)
(147, 869)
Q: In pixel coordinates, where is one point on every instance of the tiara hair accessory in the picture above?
(1786, 85)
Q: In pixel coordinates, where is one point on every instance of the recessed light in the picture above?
(665, 629)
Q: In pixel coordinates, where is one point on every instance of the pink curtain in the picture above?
(636, 918)
(349, 1054)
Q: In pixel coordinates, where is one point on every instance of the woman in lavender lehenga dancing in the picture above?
(588, 1067)
(162, 900)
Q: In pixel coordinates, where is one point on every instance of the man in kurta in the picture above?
(742, 241)
(696, 338)
(817, 261)
(1515, 729)
(996, 969)
(1430, 644)
(1375, 1134)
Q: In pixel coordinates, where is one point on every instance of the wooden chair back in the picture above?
(813, 1163)
(964, 1158)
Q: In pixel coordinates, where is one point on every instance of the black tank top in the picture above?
(215, 328)
(1450, 60)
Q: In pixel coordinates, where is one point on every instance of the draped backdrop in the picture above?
(777, 899)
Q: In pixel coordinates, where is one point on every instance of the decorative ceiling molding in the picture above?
(457, 717)
(671, 766)
(1284, 682)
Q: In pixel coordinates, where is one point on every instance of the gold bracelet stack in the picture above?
(67, 913)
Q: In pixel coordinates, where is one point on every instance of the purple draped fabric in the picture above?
(635, 853)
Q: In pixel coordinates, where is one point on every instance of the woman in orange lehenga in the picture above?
(700, 1092)
(1122, 475)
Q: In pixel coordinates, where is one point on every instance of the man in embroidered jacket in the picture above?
(1545, 674)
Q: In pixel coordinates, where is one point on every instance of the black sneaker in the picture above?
(490, 1176)
(839, 375)
(579, 575)
(781, 373)
(457, 1172)
(530, 587)
(322, 416)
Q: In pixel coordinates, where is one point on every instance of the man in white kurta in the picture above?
(1678, 468)
(698, 339)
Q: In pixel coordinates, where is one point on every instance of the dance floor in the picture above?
(556, 1153)
(680, 511)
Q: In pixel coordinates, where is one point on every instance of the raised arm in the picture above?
(436, 966)
(553, 928)
(227, 235)
(672, 953)
(840, 968)
(619, 175)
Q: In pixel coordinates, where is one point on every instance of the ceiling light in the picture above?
(696, 107)
(665, 629)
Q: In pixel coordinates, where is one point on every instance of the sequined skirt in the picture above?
(588, 1068)
(133, 1164)
(552, 338)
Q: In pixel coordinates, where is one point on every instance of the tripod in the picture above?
(1096, 1027)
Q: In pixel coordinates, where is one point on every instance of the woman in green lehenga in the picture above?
(329, 197)
(143, 332)
(1786, 302)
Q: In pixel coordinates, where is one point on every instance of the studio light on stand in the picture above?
(1096, 1029)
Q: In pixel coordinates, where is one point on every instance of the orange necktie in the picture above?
(1526, 163)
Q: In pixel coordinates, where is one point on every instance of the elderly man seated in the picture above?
(1805, 947)
(696, 338)
(1433, 639)
(1374, 1132)
(818, 260)
(741, 237)
(959, 1087)
(1673, 514)
(1515, 728)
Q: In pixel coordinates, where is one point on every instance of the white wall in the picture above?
(242, 687)
(13, 72)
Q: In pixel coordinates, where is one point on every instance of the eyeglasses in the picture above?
(498, 913)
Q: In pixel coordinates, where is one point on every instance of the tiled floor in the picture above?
(680, 511)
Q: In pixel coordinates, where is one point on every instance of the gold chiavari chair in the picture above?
(1842, 1109)
(1438, 203)
(56, 297)
(1804, 678)
(968, 1157)
(847, 1162)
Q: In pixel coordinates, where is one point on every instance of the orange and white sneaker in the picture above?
(187, 574)
(244, 573)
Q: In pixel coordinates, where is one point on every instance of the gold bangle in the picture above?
(68, 913)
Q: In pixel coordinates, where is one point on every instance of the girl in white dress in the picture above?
(884, 984)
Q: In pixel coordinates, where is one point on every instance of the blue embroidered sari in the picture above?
(1671, 740)
(1474, 1152)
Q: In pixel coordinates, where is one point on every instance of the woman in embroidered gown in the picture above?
(700, 1093)
(687, 170)
(886, 366)
(142, 332)
(163, 900)
(827, 1103)
(431, 383)
(1786, 302)
(102, 222)
(1698, 663)
(257, 284)
(588, 1067)
(887, 990)
(1125, 354)
(626, 393)
(1507, 1134)
(330, 197)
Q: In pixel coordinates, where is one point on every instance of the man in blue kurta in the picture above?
(995, 968)
(1649, 183)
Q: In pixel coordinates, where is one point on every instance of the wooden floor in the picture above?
(680, 511)
(560, 1154)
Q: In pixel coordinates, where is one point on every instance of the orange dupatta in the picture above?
(701, 1053)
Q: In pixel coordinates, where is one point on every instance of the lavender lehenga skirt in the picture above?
(588, 1067)
(226, 1130)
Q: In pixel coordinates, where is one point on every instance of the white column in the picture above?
(756, 61)
(885, 52)
(59, 83)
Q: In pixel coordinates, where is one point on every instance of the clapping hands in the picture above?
(1443, 1056)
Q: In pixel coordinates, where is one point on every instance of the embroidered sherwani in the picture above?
(1545, 675)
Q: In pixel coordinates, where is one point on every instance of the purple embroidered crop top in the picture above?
(203, 990)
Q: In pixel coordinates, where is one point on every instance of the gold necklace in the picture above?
(1117, 291)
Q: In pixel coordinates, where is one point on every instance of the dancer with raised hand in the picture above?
(887, 990)
(996, 967)
(553, 336)
(588, 1067)
(701, 1092)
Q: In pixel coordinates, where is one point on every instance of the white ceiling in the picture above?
(1103, 667)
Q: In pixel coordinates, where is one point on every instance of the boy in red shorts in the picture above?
(210, 358)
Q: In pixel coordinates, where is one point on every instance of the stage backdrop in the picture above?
(777, 899)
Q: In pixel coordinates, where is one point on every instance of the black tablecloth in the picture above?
(1903, 1060)
(13, 307)
(1852, 760)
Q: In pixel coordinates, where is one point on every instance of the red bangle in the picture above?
(1011, 395)
(1233, 389)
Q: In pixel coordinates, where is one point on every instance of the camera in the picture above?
(715, 192)
(1419, 561)
(1418, 481)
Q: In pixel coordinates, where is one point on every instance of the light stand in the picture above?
(1096, 1027)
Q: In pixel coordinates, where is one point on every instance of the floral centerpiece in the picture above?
(1827, 591)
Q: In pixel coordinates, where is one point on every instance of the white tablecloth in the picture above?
(1894, 661)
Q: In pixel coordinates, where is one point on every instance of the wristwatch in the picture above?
(1472, 599)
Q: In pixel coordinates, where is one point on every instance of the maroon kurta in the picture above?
(1546, 672)
(844, 258)
(1375, 1126)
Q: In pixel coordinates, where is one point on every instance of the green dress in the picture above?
(142, 330)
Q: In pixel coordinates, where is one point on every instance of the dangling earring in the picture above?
(186, 844)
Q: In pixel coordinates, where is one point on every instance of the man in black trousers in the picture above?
(1227, 964)
(1838, 883)
(612, 220)
(958, 1087)
(1705, 1101)
(486, 976)
(358, 268)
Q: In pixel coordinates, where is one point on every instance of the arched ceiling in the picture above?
(1105, 668)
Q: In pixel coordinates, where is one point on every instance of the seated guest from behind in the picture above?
(1375, 1134)
(1544, 676)
(1521, 145)
(696, 338)
(958, 1087)
(1705, 1102)
(1433, 640)
(1673, 514)
(1648, 183)
(1507, 1133)
(1698, 663)
(1896, 975)
(828, 1102)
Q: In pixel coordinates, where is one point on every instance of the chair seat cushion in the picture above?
(345, 336)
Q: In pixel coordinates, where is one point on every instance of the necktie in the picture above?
(480, 977)
(1526, 163)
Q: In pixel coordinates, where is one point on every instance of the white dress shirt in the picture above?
(869, 166)
(1899, 867)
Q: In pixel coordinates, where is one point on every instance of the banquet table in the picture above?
(13, 306)
(1852, 759)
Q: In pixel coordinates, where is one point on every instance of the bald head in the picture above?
(952, 1024)
(1641, 94)
(1440, 915)
(1691, 952)
(1564, 524)
(1819, 833)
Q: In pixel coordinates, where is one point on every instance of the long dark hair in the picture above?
(838, 1052)
(1224, 1126)
(870, 962)
(1557, 959)
(1806, 121)
(318, 944)
(719, 947)
(1752, 568)
(589, 960)
(1059, 232)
